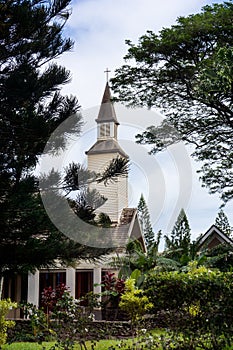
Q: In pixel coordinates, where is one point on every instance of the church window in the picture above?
(105, 130)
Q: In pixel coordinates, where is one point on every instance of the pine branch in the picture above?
(118, 167)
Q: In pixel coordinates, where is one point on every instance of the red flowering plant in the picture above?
(120, 286)
(113, 288)
(50, 296)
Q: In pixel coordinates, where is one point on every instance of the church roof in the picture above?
(127, 215)
(213, 237)
(106, 146)
(128, 228)
(107, 111)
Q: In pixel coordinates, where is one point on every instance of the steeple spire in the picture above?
(107, 125)
(107, 112)
(107, 95)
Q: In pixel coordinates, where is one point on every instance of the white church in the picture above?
(86, 277)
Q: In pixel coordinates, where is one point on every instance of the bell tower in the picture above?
(102, 152)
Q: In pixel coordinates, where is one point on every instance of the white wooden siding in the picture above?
(116, 192)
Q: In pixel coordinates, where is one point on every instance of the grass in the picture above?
(100, 345)
(24, 346)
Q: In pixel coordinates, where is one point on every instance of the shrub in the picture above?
(173, 290)
(113, 289)
(61, 318)
(51, 296)
(134, 302)
(198, 304)
(5, 306)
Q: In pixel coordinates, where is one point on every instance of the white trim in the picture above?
(215, 229)
(33, 288)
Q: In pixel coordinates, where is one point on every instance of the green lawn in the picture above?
(100, 345)
(23, 346)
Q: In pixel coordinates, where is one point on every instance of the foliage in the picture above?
(119, 166)
(50, 296)
(178, 243)
(173, 289)
(61, 318)
(222, 223)
(5, 306)
(136, 263)
(154, 341)
(220, 257)
(70, 320)
(104, 220)
(147, 338)
(186, 70)
(134, 302)
(113, 288)
(144, 219)
(31, 37)
(196, 306)
(32, 107)
(113, 284)
(38, 322)
(78, 178)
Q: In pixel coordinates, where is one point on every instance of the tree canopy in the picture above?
(31, 37)
(32, 107)
(186, 71)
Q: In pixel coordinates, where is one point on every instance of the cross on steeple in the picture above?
(107, 71)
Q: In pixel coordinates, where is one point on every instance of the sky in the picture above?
(169, 180)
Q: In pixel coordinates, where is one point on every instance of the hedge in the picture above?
(200, 301)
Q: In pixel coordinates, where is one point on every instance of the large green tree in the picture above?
(32, 107)
(187, 71)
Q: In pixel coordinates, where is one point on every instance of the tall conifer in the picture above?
(144, 218)
(178, 242)
(32, 107)
(222, 223)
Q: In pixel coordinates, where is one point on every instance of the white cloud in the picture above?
(100, 27)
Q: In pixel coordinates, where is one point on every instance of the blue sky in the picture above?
(99, 29)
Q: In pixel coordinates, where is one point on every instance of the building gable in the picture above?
(212, 238)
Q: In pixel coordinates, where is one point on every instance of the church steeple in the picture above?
(101, 154)
(107, 121)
